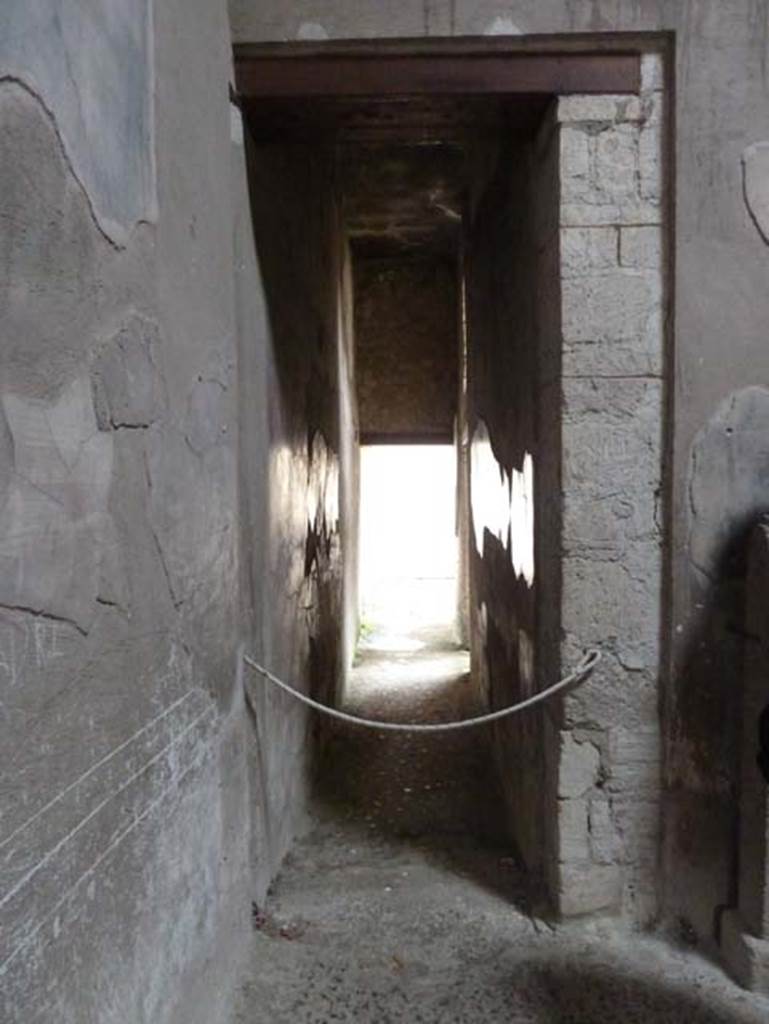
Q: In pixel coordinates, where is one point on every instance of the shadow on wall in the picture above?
(296, 233)
(728, 489)
(291, 471)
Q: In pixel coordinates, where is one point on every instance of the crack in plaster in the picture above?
(38, 613)
(175, 601)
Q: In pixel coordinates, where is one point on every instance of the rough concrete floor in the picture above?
(393, 910)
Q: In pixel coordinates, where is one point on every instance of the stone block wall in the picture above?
(606, 748)
(566, 368)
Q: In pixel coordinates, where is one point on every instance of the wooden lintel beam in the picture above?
(492, 74)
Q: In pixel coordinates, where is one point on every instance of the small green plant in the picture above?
(365, 630)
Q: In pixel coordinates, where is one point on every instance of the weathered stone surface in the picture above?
(652, 72)
(579, 212)
(588, 888)
(605, 524)
(606, 108)
(612, 320)
(755, 170)
(615, 156)
(637, 818)
(578, 768)
(608, 603)
(635, 756)
(575, 158)
(611, 444)
(615, 695)
(650, 163)
(611, 176)
(573, 830)
(604, 841)
(607, 174)
(640, 248)
(615, 305)
(585, 250)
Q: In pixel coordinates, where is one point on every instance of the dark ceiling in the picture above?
(404, 163)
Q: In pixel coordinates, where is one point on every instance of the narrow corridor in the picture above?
(404, 903)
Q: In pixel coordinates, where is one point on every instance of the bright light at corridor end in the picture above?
(408, 543)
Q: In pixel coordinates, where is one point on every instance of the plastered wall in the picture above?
(504, 236)
(154, 416)
(124, 858)
(298, 461)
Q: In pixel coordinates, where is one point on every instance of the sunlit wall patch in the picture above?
(502, 503)
(322, 486)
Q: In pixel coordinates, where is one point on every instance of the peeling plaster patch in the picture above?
(579, 766)
(62, 280)
(53, 521)
(189, 509)
(503, 503)
(90, 66)
(311, 30)
(728, 477)
(206, 419)
(128, 388)
(502, 27)
(755, 176)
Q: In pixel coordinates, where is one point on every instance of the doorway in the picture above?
(537, 173)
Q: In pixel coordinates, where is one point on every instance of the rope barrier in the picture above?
(578, 675)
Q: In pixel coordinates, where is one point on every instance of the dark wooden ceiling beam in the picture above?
(262, 76)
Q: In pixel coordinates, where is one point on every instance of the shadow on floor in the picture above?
(438, 792)
(405, 902)
(361, 929)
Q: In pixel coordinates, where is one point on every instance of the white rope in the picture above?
(578, 675)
